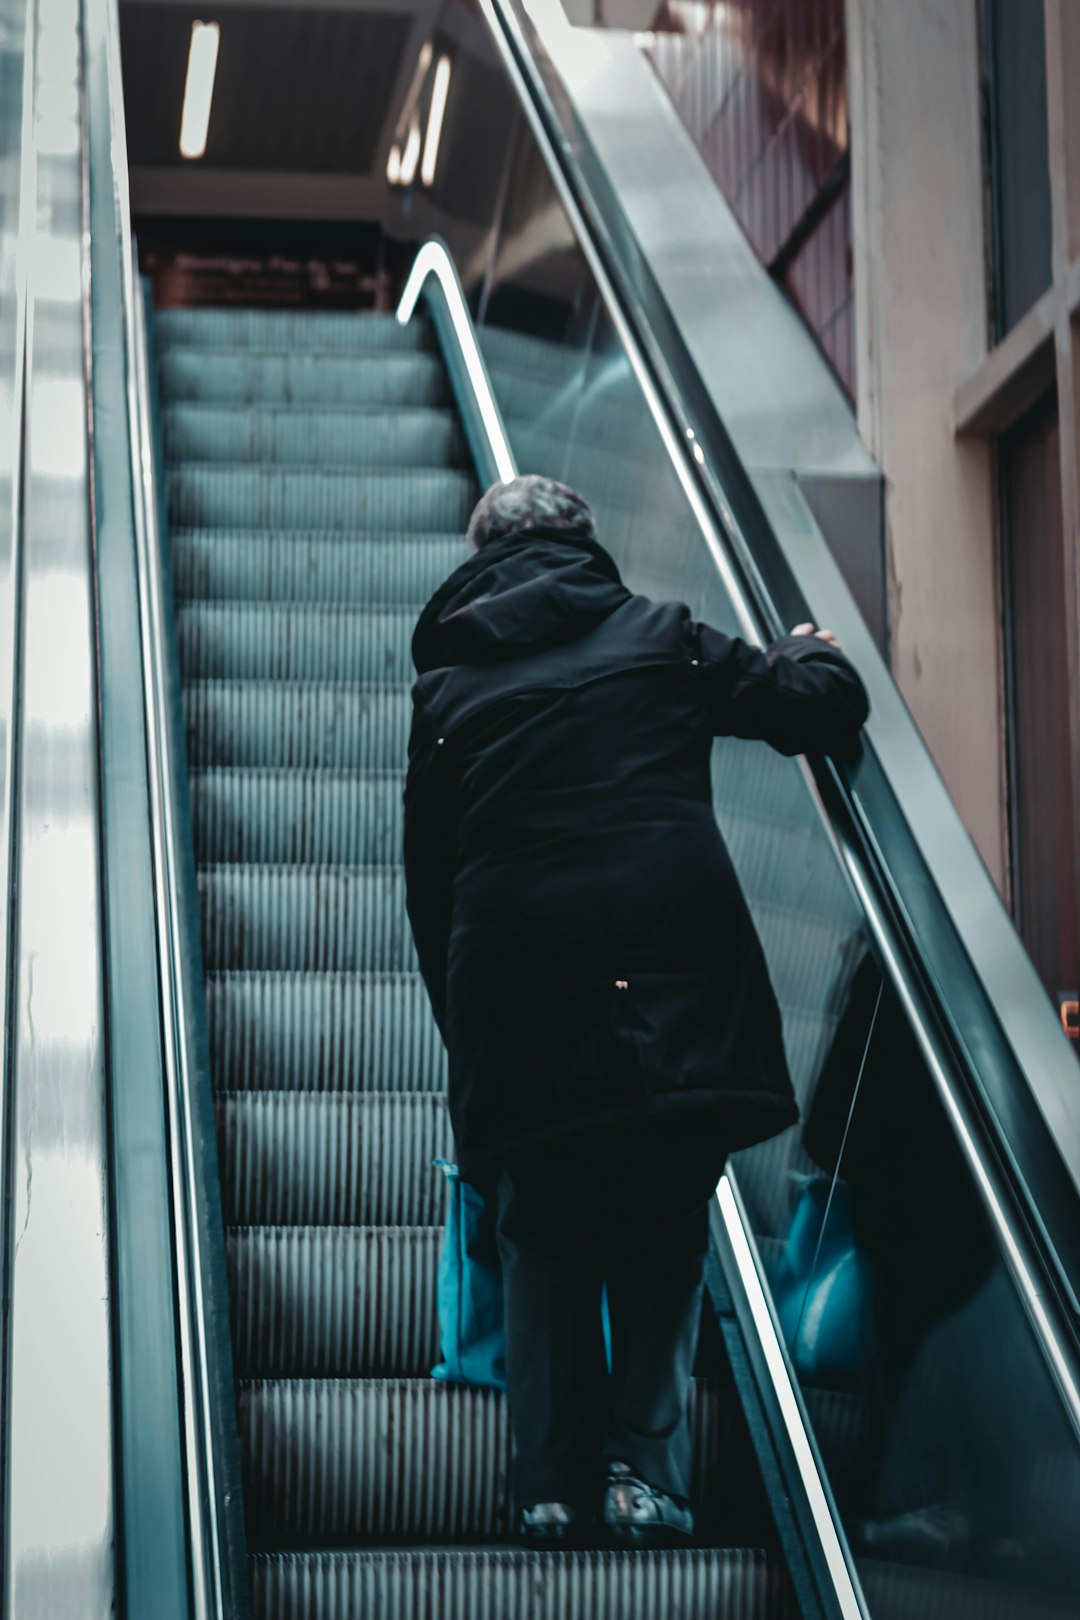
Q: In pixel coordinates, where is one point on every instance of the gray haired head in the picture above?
(531, 502)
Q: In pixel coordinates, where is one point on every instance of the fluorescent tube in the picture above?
(199, 89)
(439, 91)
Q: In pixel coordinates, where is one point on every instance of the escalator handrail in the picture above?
(215, 1553)
(1045, 1286)
(434, 276)
(488, 439)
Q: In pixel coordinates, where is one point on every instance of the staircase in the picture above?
(318, 488)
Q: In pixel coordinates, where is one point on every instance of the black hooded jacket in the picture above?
(587, 949)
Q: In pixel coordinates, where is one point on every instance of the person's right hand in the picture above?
(822, 635)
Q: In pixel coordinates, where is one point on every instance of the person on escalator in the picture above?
(612, 1030)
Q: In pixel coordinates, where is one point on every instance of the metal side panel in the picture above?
(60, 1520)
(153, 1511)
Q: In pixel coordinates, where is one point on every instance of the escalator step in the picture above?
(256, 566)
(502, 1583)
(313, 436)
(324, 919)
(252, 377)
(331, 1159)
(332, 331)
(296, 724)
(436, 500)
(300, 817)
(340, 1460)
(334, 1301)
(323, 1032)
(276, 641)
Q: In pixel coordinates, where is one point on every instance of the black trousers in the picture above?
(626, 1211)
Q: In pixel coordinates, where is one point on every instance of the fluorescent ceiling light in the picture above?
(199, 89)
(439, 92)
(411, 156)
(393, 165)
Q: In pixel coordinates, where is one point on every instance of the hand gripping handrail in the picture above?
(434, 276)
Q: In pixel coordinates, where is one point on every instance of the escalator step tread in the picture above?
(283, 641)
(264, 566)
(419, 499)
(312, 435)
(345, 1032)
(334, 331)
(310, 919)
(332, 1158)
(334, 1301)
(505, 1583)
(287, 377)
(355, 1460)
(300, 817)
(297, 724)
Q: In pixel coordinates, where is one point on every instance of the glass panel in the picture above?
(1016, 38)
(943, 1435)
(1045, 872)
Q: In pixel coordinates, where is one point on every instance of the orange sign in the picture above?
(1070, 1015)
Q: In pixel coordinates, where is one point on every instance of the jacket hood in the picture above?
(532, 589)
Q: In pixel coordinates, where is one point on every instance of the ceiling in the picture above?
(305, 105)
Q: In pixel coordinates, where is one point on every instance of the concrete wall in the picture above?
(921, 327)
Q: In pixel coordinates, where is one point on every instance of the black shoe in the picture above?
(637, 1515)
(548, 1525)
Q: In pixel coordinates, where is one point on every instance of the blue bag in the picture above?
(821, 1291)
(470, 1291)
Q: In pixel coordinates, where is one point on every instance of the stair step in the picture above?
(323, 919)
(263, 566)
(331, 1159)
(334, 1301)
(323, 1032)
(396, 1460)
(297, 724)
(277, 641)
(321, 331)
(268, 377)
(313, 436)
(300, 817)
(504, 1583)
(436, 500)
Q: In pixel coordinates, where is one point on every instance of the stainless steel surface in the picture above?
(202, 1474)
(17, 188)
(178, 1018)
(783, 425)
(60, 1552)
(433, 260)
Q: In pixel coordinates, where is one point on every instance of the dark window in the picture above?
(1016, 38)
(1045, 866)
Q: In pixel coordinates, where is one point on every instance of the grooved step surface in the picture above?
(319, 437)
(282, 377)
(299, 817)
(332, 1159)
(319, 330)
(431, 499)
(328, 919)
(328, 1461)
(323, 1032)
(263, 566)
(256, 641)
(334, 1301)
(297, 723)
(502, 1583)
